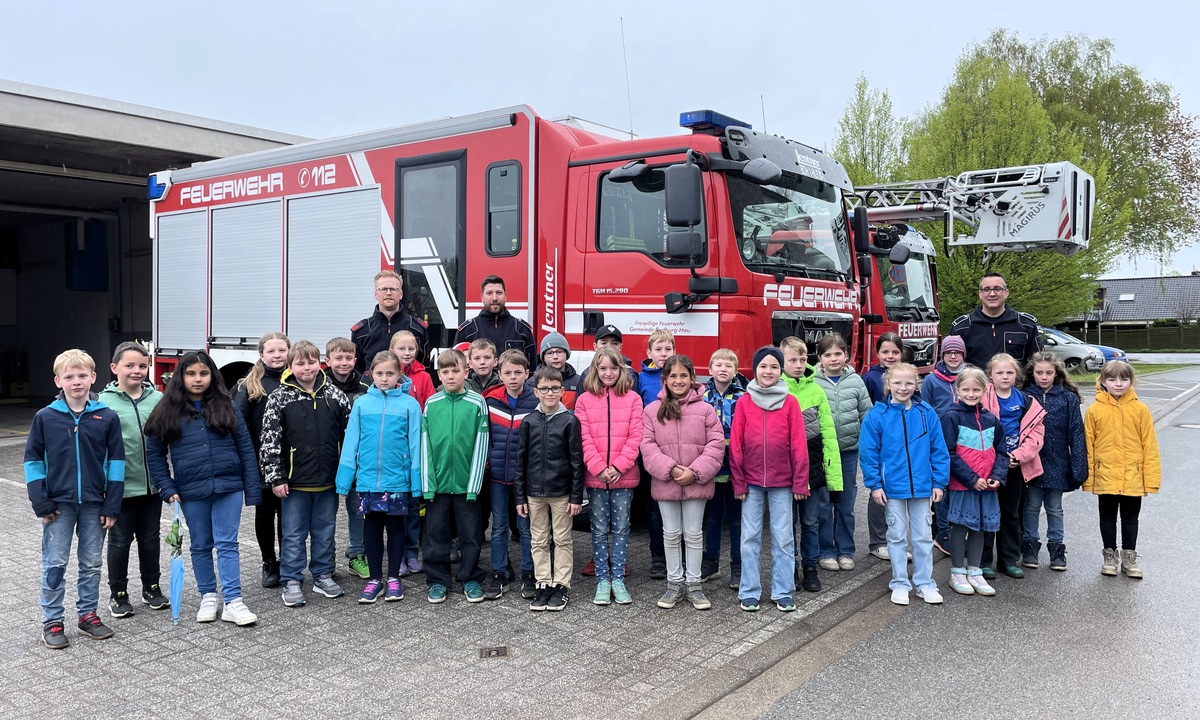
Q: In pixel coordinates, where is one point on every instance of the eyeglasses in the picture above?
(550, 390)
(992, 290)
(952, 352)
(554, 351)
(387, 290)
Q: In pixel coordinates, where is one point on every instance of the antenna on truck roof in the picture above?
(628, 93)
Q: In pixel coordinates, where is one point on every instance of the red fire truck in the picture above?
(687, 233)
(726, 236)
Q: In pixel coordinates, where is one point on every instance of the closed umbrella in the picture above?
(175, 540)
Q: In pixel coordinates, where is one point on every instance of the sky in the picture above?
(322, 69)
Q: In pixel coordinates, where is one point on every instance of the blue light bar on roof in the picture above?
(709, 121)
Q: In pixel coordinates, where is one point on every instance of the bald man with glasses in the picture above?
(993, 327)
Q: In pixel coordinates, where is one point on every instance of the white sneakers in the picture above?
(881, 552)
(900, 596)
(845, 562)
(209, 603)
(237, 613)
(930, 595)
(829, 564)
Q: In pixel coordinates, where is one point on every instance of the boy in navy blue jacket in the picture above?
(74, 474)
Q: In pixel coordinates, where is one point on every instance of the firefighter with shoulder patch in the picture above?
(372, 335)
(495, 323)
(993, 327)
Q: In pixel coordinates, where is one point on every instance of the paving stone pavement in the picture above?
(405, 658)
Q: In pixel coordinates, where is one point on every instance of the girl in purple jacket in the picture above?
(610, 419)
(683, 446)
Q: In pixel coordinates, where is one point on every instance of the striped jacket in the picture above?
(454, 444)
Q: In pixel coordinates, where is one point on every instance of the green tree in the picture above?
(869, 138)
(990, 117)
(1131, 128)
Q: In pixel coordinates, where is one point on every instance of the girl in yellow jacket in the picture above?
(1123, 459)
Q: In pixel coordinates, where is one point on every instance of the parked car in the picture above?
(1109, 353)
(1074, 353)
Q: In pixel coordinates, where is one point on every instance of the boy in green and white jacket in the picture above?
(132, 396)
(824, 460)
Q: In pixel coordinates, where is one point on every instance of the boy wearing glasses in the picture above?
(548, 487)
(372, 335)
(993, 327)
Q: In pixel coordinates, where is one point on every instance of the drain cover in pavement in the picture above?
(493, 652)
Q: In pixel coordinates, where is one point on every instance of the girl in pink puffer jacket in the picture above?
(682, 448)
(610, 417)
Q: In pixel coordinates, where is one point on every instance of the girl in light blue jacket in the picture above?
(381, 459)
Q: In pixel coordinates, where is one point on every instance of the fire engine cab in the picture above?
(726, 236)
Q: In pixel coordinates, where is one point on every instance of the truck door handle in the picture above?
(592, 321)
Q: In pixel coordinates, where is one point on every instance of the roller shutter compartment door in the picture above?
(181, 261)
(247, 271)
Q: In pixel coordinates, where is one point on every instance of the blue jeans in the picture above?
(307, 514)
(1035, 497)
(354, 522)
(213, 522)
(82, 521)
(941, 512)
(808, 535)
(903, 516)
(837, 527)
(610, 513)
(722, 510)
(501, 506)
(783, 547)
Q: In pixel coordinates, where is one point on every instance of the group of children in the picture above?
(427, 469)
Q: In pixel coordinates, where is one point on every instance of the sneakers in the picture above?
(1110, 562)
(589, 570)
(989, 572)
(358, 566)
(395, 590)
(1029, 554)
(270, 573)
(1129, 564)
(899, 596)
(327, 587)
(557, 600)
(91, 625)
(540, 596)
(829, 564)
(54, 637)
(748, 604)
(237, 613)
(209, 603)
(881, 552)
(620, 592)
(473, 591)
(1058, 556)
(528, 587)
(371, 592)
(958, 582)
(118, 605)
(979, 583)
(696, 597)
(735, 578)
(930, 595)
(603, 593)
(674, 593)
(845, 562)
(293, 594)
(707, 574)
(413, 564)
(496, 586)
(152, 596)
(436, 594)
(658, 568)
(810, 581)
(1013, 571)
(785, 604)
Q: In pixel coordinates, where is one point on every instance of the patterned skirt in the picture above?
(979, 511)
(392, 503)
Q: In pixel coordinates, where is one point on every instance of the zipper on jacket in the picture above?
(608, 451)
(142, 440)
(379, 461)
(912, 487)
(764, 447)
(78, 466)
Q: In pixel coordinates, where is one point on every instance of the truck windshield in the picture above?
(795, 227)
(908, 286)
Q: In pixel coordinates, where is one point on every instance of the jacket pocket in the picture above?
(1014, 344)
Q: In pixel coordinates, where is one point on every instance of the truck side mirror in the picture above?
(684, 195)
(899, 254)
(862, 231)
(761, 171)
(866, 268)
(685, 245)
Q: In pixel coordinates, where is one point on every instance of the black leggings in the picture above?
(1130, 508)
(966, 546)
(374, 524)
(268, 524)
